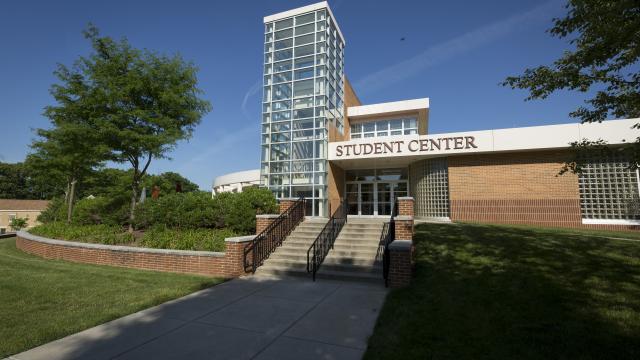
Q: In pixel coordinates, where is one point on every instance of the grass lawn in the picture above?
(505, 292)
(43, 300)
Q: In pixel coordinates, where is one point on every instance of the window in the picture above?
(287, 23)
(304, 62)
(304, 29)
(283, 54)
(304, 74)
(609, 190)
(282, 91)
(283, 34)
(283, 44)
(305, 39)
(282, 66)
(303, 103)
(303, 88)
(303, 19)
(381, 128)
(429, 181)
(302, 51)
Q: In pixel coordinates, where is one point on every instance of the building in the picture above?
(12, 208)
(235, 182)
(320, 142)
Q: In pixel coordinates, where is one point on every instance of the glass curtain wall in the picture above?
(303, 92)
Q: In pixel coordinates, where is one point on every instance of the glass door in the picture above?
(367, 198)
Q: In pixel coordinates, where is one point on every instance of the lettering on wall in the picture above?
(412, 146)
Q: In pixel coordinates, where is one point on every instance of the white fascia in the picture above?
(388, 107)
(303, 10)
(610, 222)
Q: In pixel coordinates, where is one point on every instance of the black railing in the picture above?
(325, 240)
(386, 237)
(259, 249)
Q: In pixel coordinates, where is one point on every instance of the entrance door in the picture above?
(374, 198)
(388, 192)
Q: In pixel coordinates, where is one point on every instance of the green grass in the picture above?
(43, 300)
(505, 292)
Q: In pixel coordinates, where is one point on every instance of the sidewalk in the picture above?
(249, 318)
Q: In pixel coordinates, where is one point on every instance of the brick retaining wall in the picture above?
(228, 264)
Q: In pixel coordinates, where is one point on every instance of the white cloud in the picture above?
(439, 53)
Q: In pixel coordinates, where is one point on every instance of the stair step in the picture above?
(324, 274)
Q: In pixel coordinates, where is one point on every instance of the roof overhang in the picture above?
(388, 108)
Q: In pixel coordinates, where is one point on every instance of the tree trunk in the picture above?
(134, 194)
(72, 192)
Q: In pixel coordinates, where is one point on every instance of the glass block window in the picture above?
(381, 128)
(609, 189)
(429, 181)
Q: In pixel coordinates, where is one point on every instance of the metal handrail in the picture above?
(386, 237)
(324, 242)
(272, 236)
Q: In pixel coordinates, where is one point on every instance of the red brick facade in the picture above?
(262, 221)
(400, 265)
(229, 264)
(516, 188)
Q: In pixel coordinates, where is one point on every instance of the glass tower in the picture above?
(303, 96)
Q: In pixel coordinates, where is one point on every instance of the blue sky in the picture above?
(455, 52)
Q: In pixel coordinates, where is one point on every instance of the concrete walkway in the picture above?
(248, 318)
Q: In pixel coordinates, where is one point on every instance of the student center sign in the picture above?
(319, 141)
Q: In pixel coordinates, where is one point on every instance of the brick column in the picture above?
(404, 220)
(262, 221)
(234, 255)
(400, 263)
(401, 249)
(285, 204)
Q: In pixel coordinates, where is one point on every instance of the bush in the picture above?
(160, 237)
(100, 210)
(100, 234)
(235, 211)
(55, 211)
(18, 224)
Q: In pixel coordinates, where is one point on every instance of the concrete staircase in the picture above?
(352, 258)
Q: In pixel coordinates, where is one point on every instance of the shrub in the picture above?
(101, 234)
(100, 210)
(235, 211)
(161, 237)
(18, 224)
(55, 211)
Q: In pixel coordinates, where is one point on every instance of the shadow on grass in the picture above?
(503, 293)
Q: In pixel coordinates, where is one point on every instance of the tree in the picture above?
(148, 102)
(606, 36)
(18, 224)
(71, 150)
(18, 181)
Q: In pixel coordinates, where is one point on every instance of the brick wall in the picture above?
(516, 188)
(228, 264)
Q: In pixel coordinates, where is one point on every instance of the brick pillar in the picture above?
(401, 249)
(404, 220)
(234, 255)
(262, 221)
(400, 263)
(285, 204)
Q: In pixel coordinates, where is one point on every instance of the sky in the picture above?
(454, 52)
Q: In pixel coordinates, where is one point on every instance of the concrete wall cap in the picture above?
(29, 236)
(403, 218)
(240, 239)
(400, 245)
(288, 199)
(267, 216)
(405, 198)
